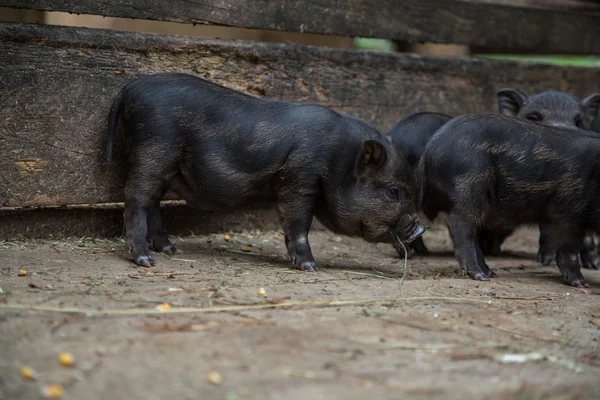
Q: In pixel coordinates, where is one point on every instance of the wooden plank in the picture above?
(108, 222)
(551, 4)
(57, 84)
(443, 21)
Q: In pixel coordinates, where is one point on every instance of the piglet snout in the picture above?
(408, 229)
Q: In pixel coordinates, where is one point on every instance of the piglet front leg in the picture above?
(466, 248)
(567, 239)
(568, 263)
(296, 216)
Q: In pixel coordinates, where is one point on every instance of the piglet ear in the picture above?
(590, 106)
(510, 101)
(372, 156)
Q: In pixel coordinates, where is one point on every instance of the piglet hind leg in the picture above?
(296, 217)
(491, 239)
(482, 264)
(589, 254)
(545, 254)
(156, 233)
(136, 225)
(466, 247)
(143, 191)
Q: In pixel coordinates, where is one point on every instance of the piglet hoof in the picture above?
(168, 250)
(145, 261)
(478, 276)
(163, 245)
(544, 258)
(491, 274)
(308, 266)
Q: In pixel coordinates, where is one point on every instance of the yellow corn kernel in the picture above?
(52, 391)
(28, 373)
(66, 359)
(214, 377)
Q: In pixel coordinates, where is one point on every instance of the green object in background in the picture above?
(374, 44)
(573, 61)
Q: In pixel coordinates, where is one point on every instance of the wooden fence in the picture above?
(57, 83)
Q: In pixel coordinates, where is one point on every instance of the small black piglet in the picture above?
(553, 108)
(220, 149)
(558, 109)
(497, 172)
(411, 134)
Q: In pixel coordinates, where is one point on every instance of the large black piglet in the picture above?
(220, 149)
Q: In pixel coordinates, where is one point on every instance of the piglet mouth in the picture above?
(408, 233)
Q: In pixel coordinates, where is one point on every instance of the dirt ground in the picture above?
(451, 338)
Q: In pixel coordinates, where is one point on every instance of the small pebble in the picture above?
(66, 359)
(214, 377)
(52, 391)
(262, 292)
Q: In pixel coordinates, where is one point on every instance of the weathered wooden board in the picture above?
(180, 220)
(57, 83)
(445, 21)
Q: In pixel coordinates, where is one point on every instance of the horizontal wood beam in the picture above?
(108, 222)
(531, 29)
(57, 84)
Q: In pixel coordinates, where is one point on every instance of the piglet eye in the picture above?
(392, 193)
(577, 121)
(534, 116)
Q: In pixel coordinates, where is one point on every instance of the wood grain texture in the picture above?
(442, 21)
(57, 83)
(180, 220)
